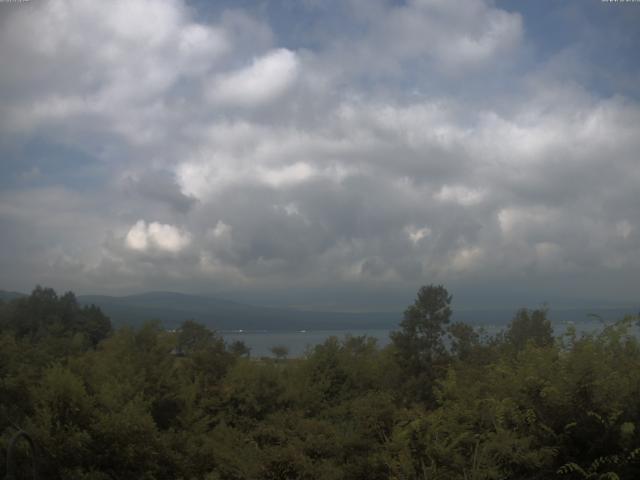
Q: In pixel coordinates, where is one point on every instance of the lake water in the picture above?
(261, 342)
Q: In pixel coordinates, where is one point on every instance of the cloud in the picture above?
(459, 194)
(156, 236)
(392, 145)
(290, 174)
(267, 78)
(119, 63)
(425, 38)
(162, 187)
(417, 234)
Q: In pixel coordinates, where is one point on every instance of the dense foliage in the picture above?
(442, 401)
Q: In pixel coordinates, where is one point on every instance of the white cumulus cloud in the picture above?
(156, 236)
(267, 78)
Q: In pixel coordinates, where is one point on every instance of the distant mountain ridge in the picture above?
(6, 296)
(172, 308)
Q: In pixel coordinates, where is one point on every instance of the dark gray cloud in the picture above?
(160, 186)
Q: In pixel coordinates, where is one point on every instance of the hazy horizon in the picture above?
(324, 155)
(507, 305)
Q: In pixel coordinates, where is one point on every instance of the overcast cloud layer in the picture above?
(321, 153)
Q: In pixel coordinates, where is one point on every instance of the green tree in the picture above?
(280, 352)
(419, 345)
(44, 314)
(239, 349)
(194, 336)
(93, 323)
(464, 340)
(530, 326)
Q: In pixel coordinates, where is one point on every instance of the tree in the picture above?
(419, 345)
(194, 336)
(280, 351)
(93, 323)
(239, 349)
(206, 351)
(464, 340)
(45, 314)
(530, 326)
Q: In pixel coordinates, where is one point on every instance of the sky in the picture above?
(322, 154)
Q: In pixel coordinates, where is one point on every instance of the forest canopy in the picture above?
(441, 401)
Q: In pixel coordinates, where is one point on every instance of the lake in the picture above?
(261, 342)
